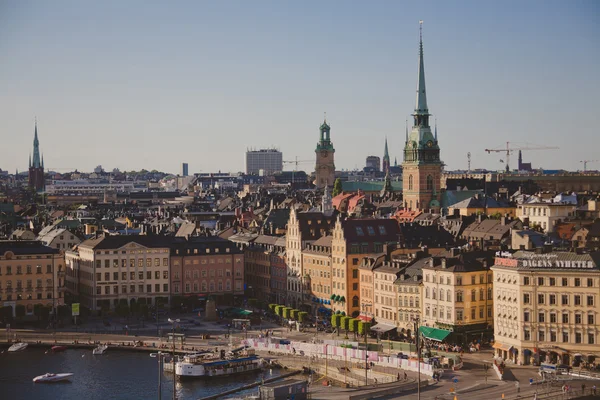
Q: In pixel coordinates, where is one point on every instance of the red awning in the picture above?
(365, 318)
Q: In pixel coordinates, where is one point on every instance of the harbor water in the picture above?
(114, 375)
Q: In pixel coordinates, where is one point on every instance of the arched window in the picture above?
(355, 301)
(429, 182)
(473, 295)
(448, 296)
(410, 182)
(426, 293)
(434, 293)
(441, 294)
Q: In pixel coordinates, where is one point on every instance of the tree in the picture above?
(279, 310)
(336, 321)
(37, 310)
(6, 314)
(272, 306)
(353, 326)
(302, 316)
(345, 324)
(294, 314)
(286, 312)
(363, 327)
(337, 187)
(20, 310)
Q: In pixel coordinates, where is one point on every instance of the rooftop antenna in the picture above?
(325, 116)
(469, 161)
(421, 30)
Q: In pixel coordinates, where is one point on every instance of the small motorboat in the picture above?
(51, 378)
(18, 347)
(58, 349)
(101, 349)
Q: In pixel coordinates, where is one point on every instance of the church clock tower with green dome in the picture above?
(324, 166)
(422, 167)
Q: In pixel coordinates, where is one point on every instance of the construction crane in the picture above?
(297, 162)
(585, 163)
(509, 150)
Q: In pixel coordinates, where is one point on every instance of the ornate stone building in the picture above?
(422, 166)
(324, 167)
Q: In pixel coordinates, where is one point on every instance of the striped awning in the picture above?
(501, 346)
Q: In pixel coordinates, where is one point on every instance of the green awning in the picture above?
(245, 312)
(343, 299)
(332, 297)
(434, 333)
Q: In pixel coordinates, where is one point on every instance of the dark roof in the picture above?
(371, 230)
(415, 235)
(25, 247)
(463, 262)
(201, 243)
(278, 217)
(115, 242)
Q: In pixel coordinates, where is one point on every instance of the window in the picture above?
(148, 288)
(157, 262)
(552, 299)
(564, 299)
(590, 282)
(590, 300)
(526, 335)
(124, 289)
(459, 315)
(541, 336)
(98, 276)
(157, 287)
(565, 318)
(552, 281)
(132, 276)
(565, 281)
(489, 293)
(131, 288)
(526, 280)
(578, 283)
(106, 289)
(577, 300)
(165, 274)
(141, 275)
(526, 316)
(553, 318)
(553, 336)
(541, 299)
(459, 297)
(578, 319)
(156, 274)
(541, 317)
(472, 279)
(458, 281)
(165, 262)
(565, 337)
(448, 296)
(540, 281)
(410, 182)
(165, 287)
(123, 276)
(473, 295)
(591, 338)
(141, 288)
(590, 319)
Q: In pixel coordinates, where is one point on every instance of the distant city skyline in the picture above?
(139, 85)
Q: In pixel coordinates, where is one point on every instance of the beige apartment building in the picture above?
(546, 307)
(386, 296)
(545, 215)
(457, 297)
(31, 273)
(316, 258)
(111, 270)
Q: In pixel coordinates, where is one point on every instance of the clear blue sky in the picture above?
(151, 84)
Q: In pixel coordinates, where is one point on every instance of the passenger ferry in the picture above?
(198, 366)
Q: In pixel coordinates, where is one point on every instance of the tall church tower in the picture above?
(324, 167)
(422, 167)
(385, 164)
(36, 167)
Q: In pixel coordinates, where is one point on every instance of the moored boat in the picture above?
(51, 378)
(18, 347)
(197, 366)
(57, 349)
(101, 349)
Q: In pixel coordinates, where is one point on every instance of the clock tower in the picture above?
(422, 167)
(324, 166)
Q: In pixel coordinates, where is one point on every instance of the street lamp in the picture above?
(173, 322)
(417, 341)
(160, 355)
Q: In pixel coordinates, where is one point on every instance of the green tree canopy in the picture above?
(363, 327)
(337, 187)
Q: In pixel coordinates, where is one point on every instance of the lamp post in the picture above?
(173, 322)
(417, 341)
(326, 346)
(159, 356)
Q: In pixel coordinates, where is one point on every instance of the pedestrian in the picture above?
(594, 390)
(535, 396)
(564, 388)
(518, 386)
(398, 378)
(583, 388)
(405, 375)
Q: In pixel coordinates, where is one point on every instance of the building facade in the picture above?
(372, 163)
(545, 215)
(206, 266)
(457, 295)
(317, 266)
(36, 166)
(422, 166)
(31, 273)
(325, 165)
(269, 161)
(109, 271)
(546, 307)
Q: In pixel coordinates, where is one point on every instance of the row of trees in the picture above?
(289, 313)
(350, 324)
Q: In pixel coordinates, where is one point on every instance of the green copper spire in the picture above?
(421, 103)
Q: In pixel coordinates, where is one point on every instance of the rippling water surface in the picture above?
(114, 375)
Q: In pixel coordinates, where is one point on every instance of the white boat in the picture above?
(50, 378)
(18, 346)
(101, 349)
(197, 366)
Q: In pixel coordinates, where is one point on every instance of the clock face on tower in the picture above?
(429, 143)
(324, 154)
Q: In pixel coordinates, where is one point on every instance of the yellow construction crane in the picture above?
(585, 163)
(508, 150)
(298, 162)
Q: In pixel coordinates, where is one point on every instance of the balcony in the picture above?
(19, 290)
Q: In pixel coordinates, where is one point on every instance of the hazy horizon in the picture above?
(134, 85)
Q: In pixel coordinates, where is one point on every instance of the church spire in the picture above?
(386, 154)
(36, 149)
(421, 114)
(435, 130)
(406, 129)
